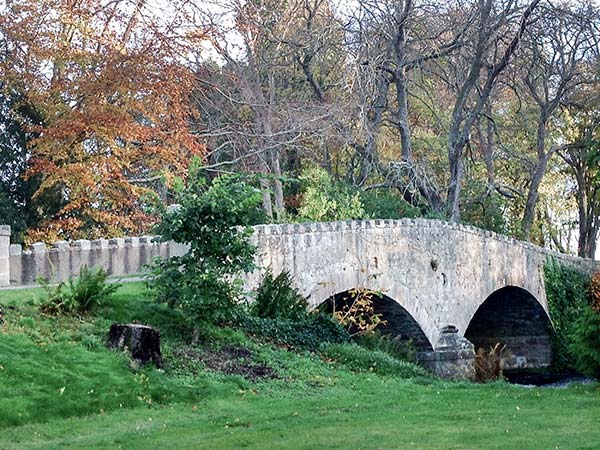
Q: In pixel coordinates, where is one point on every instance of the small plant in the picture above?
(79, 294)
(357, 312)
(277, 298)
(488, 364)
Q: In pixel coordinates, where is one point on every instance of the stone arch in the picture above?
(399, 322)
(513, 316)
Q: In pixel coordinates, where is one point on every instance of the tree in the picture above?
(270, 88)
(110, 92)
(556, 48)
(391, 40)
(582, 157)
(213, 219)
(493, 40)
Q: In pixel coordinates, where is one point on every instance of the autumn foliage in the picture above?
(106, 89)
(595, 292)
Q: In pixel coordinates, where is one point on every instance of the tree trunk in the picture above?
(538, 174)
(141, 340)
(456, 177)
(532, 196)
(266, 198)
(277, 186)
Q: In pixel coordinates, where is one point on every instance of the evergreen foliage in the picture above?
(214, 220)
(307, 333)
(276, 298)
(568, 297)
(585, 342)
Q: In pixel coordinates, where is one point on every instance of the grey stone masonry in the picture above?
(5, 255)
(439, 272)
(63, 259)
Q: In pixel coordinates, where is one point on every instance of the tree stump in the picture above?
(143, 341)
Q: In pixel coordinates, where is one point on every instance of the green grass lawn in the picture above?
(60, 388)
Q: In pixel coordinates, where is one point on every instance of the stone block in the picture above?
(132, 241)
(15, 250)
(61, 246)
(453, 357)
(82, 244)
(145, 240)
(100, 243)
(117, 242)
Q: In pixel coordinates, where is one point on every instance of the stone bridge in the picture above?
(445, 286)
(432, 275)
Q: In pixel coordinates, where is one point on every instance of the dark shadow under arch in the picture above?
(398, 320)
(512, 316)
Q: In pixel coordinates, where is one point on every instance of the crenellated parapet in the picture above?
(275, 242)
(418, 223)
(63, 259)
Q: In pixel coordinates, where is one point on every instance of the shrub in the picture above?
(585, 342)
(387, 204)
(488, 365)
(277, 298)
(214, 220)
(308, 332)
(396, 346)
(325, 200)
(568, 295)
(360, 359)
(78, 294)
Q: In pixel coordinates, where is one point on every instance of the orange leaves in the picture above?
(595, 291)
(113, 109)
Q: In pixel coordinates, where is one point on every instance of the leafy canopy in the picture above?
(213, 219)
(110, 98)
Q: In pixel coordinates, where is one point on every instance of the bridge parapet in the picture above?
(340, 226)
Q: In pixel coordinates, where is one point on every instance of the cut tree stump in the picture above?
(143, 341)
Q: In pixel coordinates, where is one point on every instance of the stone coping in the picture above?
(358, 225)
(84, 245)
(303, 228)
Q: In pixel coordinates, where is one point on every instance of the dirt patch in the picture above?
(229, 360)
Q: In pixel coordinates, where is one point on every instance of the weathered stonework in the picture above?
(119, 256)
(453, 358)
(439, 272)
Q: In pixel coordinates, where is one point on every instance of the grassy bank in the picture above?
(60, 388)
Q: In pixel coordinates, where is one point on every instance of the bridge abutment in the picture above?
(453, 357)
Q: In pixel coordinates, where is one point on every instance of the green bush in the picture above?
(78, 294)
(360, 359)
(214, 220)
(396, 346)
(387, 204)
(567, 291)
(277, 298)
(323, 199)
(585, 342)
(308, 332)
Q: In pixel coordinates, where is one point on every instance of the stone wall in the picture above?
(119, 256)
